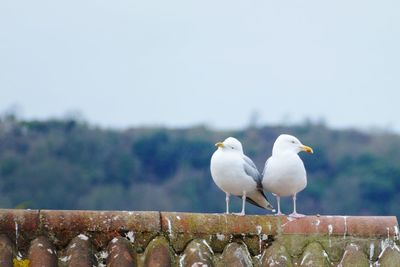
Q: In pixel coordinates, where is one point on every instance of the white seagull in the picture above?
(236, 174)
(284, 173)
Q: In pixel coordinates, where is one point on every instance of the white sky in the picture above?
(180, 63)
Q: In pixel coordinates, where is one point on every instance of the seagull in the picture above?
(236, 174)
(284, 173)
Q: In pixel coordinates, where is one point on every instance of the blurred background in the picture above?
(118, 105)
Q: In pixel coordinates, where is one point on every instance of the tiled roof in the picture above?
(123, 238)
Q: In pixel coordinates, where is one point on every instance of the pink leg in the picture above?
(278, 200)
(294, 214)
(227, 195)
(242, 213)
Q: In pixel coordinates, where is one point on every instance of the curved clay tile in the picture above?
(197, 252)
(42, 253)
(158, 253)
(236, 255)
(79, 252)
(6, 251)
(120, 253)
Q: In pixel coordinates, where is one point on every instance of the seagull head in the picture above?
(230, 144)
(287, 142)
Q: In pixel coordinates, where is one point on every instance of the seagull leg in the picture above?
(294, 214)
(278, 200)
(227, 195)
(242, 213)
(243, 203)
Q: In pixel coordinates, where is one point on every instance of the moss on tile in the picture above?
(197, 252)
(276, 255)
(390, 257)
(158, 251)
(354, 257)
(236, 255)
(314, 255)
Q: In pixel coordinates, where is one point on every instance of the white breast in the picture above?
(284, 175)
(227, 171)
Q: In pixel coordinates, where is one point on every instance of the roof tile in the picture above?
(314, 255)
(79, 252)
(236, 255)
(390, 256)
(354, 256)
(276, 255)
(24, 223)
(120, 238)
(42, 253)
(197, 252)
(121, 253)
(158, 253)
(6, 251)
(102, 225)
(373, 226)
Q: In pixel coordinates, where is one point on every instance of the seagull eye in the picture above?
(293, 142)
(232, 147)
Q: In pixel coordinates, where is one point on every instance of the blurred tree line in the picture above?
(69, 164)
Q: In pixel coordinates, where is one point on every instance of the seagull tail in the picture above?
(259, 199)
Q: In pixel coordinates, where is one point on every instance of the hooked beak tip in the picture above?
(308, 149)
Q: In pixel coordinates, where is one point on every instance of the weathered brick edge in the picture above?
(61, 226)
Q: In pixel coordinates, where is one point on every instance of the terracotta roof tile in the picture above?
(314, 255)
(236, 255)
(354, 256)
(276, 255)
(158, 253)
(6, 251)
(119, 238)
(79, 252)
(42, 253)
(390, 257)
(102, 225)
(342, 225)
(121, 253)
(197, 252)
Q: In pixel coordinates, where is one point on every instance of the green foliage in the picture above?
(67, 164)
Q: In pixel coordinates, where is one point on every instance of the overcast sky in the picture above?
(180, 63)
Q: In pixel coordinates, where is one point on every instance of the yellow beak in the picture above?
(307, 149)
(219, 144)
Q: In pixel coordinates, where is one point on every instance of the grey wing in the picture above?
(251, 170)
(265, 168)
